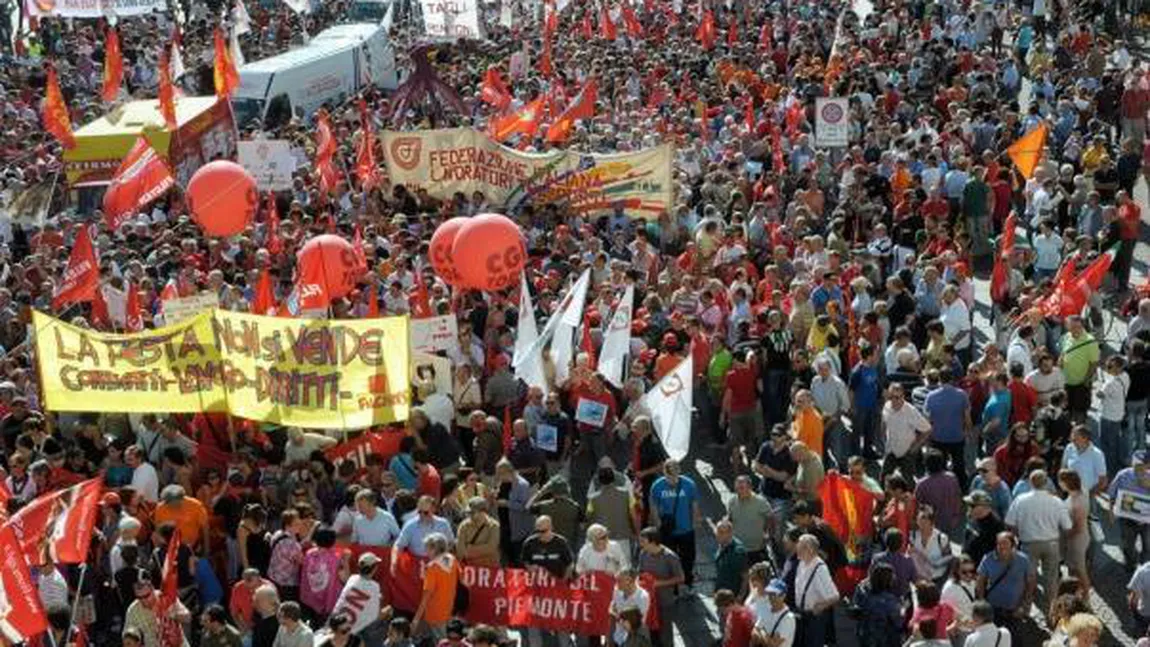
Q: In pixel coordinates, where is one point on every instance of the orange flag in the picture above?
(54, 114)
(372, 302)
(226, 78)
(493, 90)
(167, 90)
(264, 300)
(581, 107)
(525, 120)
(113, 66)
(420, 301)
(1027, 150)
(705, 34)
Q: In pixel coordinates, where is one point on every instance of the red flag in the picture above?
(848, 508)
(523, 121)
(551, 23)
(777, 159)
(365, 165)
(999, 277)
(143, 176)
(493, 90)
(311, 285)
(1070, 296)
(794, 118)
(606, 26)
(581, 107)
(225, 76)
(171, 634)
(372, 302)
(705, 33)
(766, 37)
(264, 300)
(507, 435)
(733, 33)
(167, 93)
(749, 114)
(101, 318)
(133, 313)
(631, 22)
(81, 279)
(420, 302)
(59, 522)
(54, 114)
(325, 153)
(170, 291)
(585, 28)
(113, 66)
(23, 614)
(273, 242)
(544, 65)
(586, 344)
(357, 248)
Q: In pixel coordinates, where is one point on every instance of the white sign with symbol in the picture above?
(270, 161)
(832, 123)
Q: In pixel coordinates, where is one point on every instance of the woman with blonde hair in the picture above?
(1084, 630)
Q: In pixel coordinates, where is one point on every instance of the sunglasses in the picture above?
(967, 571)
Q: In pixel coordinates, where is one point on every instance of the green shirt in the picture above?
(717, 370)
(1078, 355)
(749, 519)
(730, 566)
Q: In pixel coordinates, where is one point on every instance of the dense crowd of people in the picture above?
(827, 298)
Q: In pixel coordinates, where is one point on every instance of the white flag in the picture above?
(298, 6)
(177, 62)
(669, 402)
(234, 45)
(528, 369)
(617, 341)
(242, 19)
(573, 307)
(562, 352)
(577, 291)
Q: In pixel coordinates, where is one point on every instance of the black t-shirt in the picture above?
(1139, 372)
(981, 535)
(651, 453)
(780, 461)
(441, 445)
(554, 555)
(1105, 176)
(777, 346)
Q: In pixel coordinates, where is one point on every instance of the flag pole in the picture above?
(75, 605)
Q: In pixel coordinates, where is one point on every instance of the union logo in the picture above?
(673, 385)
(405, 152)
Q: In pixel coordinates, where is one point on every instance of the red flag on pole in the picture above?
(999, 277)
(264, 300)
(225, 76)
(1070, 296)
(372, 302)
(171, 633)
(23, 614)
(311, 286)
(705, 33)
(365, 165)
(631, 22)
(133, 313)
(586, 344)
(606, 26)
(101, 317)
(59, 522)
(167, 92)
(325, 153)
(551, 24)
(54, 114)
(585, 28)
(273, 242)
(420, 302)
(581, 107)
(143, 177)
(113, 65)
(357, 249)
(523, 121)
(493, 90)
(81, 279)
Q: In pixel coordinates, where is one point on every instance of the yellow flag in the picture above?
(1027, 150)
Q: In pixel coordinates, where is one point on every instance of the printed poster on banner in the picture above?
(832, 123)
(451, 19)
(270, 161)
(93, 8)
(317, 374)
(432, 369)
(1132, 505)
(461, 159)
(434, 334)
(591, 412)
(183, 308)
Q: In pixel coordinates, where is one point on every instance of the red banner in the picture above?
(381, 443)
(60, 522)
(81, 279)
(21, 614)
(143, 176)
(511, 597)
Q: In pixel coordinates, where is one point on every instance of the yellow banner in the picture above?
(320, 374)
(461, 159)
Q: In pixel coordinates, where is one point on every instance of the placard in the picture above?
(451, 19)
(591, 412)
(270, 161)
(547, 437)
(93, 8)
(183, 308)
(434, 334)
(1132, 505)
(832, 122)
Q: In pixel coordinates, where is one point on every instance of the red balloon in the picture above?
(489, 253)
(222, 196)
(440, 250)
(336, 259)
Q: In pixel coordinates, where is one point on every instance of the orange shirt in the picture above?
(190, 517)
(808, 429)
(440, 580)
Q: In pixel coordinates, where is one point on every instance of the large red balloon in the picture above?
(336, 259)
(440, 250)
(222, 196)
(488, 252)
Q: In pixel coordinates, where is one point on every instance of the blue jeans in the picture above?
(866, 428)
(1111, 441)
(1136, 424)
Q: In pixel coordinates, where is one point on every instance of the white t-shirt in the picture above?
(988, 635)
(1048, 249)
(961, 597)
(610, 561)
(902, 426)
(780, 624)
(146, 482)
(359, 600)
(1046, 385)
(956, 319)
(821, 586)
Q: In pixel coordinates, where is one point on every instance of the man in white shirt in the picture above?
(985, 633)
(1039, 518)
(955, 318)
(360, 601)
(145, 480)
(778, 625)
(372, 525)
(905, 430)
(628, 595)
(815, 593)
(1020, 349)
(1047, 379)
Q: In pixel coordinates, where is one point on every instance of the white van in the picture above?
(336, 64)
